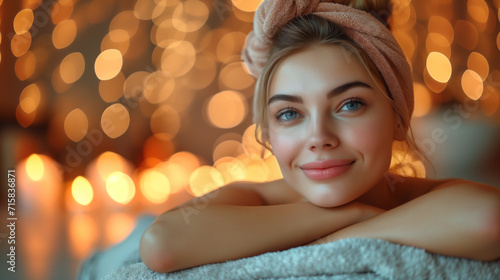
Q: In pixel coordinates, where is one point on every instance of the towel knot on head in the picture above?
(371, 35)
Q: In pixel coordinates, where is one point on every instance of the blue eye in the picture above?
(352, 105)
(287, 114)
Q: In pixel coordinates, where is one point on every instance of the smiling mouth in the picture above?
(326, 170)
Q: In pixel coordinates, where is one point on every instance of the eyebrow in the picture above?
(332, 93)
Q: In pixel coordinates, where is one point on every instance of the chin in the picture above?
(326, 197)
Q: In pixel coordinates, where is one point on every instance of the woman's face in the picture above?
(330, 129)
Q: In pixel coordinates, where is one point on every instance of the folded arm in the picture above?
(459, 219)
(200, 233)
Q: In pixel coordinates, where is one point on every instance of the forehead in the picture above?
(319, 67)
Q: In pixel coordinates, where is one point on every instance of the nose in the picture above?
(322, 135)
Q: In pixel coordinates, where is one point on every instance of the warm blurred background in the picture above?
(110, 110)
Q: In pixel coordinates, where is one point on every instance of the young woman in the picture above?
(329, 103)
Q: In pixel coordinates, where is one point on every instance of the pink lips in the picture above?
(324, 170)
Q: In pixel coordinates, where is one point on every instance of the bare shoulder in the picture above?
(409, 188)
(271, 193)
(468, 188)
(245, 193)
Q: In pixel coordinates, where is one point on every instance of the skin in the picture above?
(307, 124)
(324, 106)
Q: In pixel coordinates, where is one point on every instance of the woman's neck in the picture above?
(381, 195)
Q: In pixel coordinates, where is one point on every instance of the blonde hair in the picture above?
(302, 33)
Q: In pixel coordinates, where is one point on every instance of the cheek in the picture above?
(284, 147)
(372, 138)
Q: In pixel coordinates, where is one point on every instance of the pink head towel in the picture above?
(364, 29)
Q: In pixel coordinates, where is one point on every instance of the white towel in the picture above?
(355, 258)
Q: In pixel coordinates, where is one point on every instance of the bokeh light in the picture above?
(20, 44)
(61, 10)
(439, 67)
(228, 148)
(143, 9)
(440, 25)
(472, 84)
(72, 67)
(165, 34)
(205, 179)
(118, 39)
(57, 83)
(112, 89)
(479, 64)
(274, 168)
(127, 21)
(408, 168)
(230, 46)
(155, 186)
(423, 100)
(108, 64)
(247, 5)
(436, 42)
(243, 16)
(234, 76)
(256, 169)
(227, 109)
(177, 175)
(109, 162)
(498, 40)
(178, 58)
(30, 98)
(24, 119)
(406, 42)
(404, 15)
(478, 10)
(231, 169)
(76, 125)
(252, 146)
(202, 74)
(162, 9)
(120, 187)
(134, 85)
(190, 16)
(158, 86)
(115, 120)
(64, 34)
(82, 191)
(25, 66)
(432, 84)
(23, 21)
(179, 168)
(35, 167)
(187, 159)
